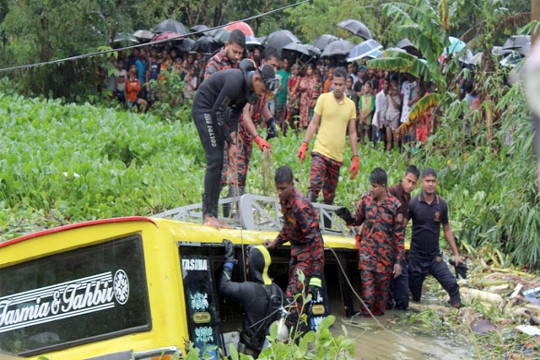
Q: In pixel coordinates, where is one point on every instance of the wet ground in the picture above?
(402, 342)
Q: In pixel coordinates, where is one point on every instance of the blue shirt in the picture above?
(140, 70)
(426, 227)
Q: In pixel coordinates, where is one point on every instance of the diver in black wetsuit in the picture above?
(226, 89)
(260, 298)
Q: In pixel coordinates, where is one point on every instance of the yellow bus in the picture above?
(131, 288)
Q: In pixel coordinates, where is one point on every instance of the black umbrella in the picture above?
(172, 26)
(406, 45)
(337, 48)
(205, 44)
(314, 51)
(324, 40)
(199, 27)
(298, 48)
(185, 45)
(356, 27)
(278, 39)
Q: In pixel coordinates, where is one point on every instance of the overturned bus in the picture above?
(140, 288)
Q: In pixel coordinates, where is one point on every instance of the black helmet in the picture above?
(268, 76)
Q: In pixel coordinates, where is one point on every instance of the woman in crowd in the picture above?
(293, 96)
(307, 84)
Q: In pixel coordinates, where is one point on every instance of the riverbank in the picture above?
(490, 325)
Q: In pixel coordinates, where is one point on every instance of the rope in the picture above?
(358, 296)
(180, 37)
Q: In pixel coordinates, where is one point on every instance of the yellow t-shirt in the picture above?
(331, 137)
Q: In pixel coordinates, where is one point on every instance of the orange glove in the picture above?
(302, 151)
(262, 143)
(354, 166)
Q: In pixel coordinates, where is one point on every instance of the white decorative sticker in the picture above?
(69, 299)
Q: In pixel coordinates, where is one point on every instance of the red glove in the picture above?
(262, 143)
(302, 151)
(354, 166)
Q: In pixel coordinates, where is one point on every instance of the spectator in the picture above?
(392, 115)
(406, 88)
(373, 80)
(361, 81)
(141, 68)
(381, 106)
(366, 104)
(307, 83)
(121, 82)
(152, 66)
(328, 82)
(190, 83)
(349, 92)
(293, 98)
(316, 92)
(281, 107)
(133, 86)
(351, 71)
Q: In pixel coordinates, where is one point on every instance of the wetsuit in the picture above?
(226, 89)
(260, 298)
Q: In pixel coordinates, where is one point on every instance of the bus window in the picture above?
(79, 296)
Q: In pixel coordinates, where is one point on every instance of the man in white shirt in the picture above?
(381, 105)
(406, 88)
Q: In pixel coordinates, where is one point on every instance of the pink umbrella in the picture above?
(240, 25)
(166, 35)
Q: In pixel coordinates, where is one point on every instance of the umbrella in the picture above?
(519, 43)
(313, 50)
(253, 41)
(125, 38)
(221, 35)
(185, 45)
(363, 49)
(456, 46)
(143, 34)
(298, 48)
(205, 44)
(339, 47)
(278, 39)
(240, 25)
(406, 45)
(324, 40)
(199, 27)
(166, 35)
(170, 25)
(356, 27)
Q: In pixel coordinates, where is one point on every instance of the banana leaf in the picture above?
(422, 105)
(390, 64)
(420, 108)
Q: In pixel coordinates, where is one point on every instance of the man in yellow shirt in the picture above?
(334, 114)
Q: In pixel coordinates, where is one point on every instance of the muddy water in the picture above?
(400, 343)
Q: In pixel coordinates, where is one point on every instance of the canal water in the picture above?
(401, 343)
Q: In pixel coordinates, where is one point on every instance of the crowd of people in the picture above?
(330, 103)
(382, 99)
